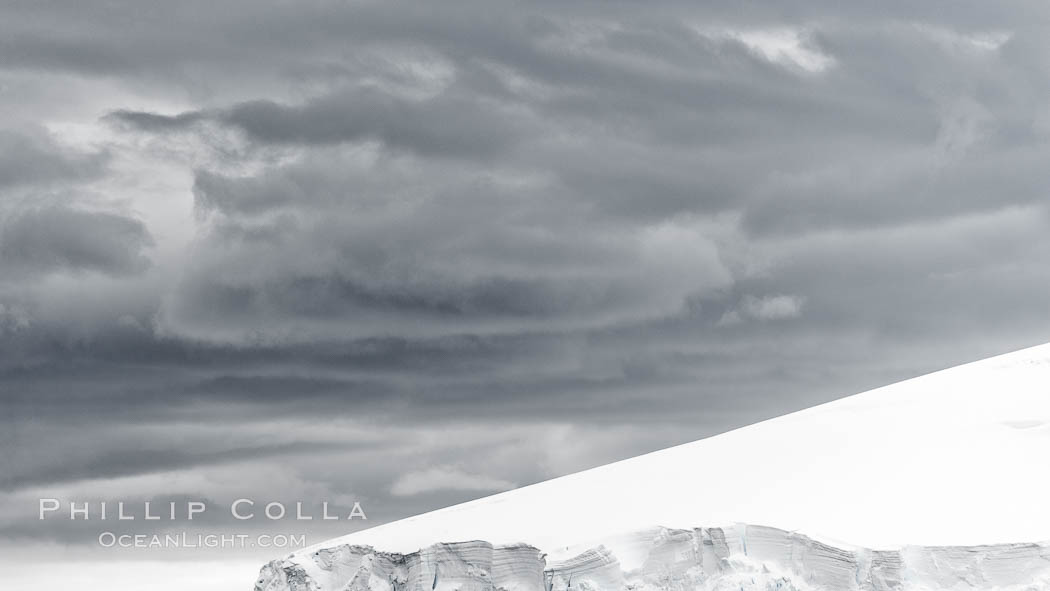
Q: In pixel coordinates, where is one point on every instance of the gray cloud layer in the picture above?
(512, 241)
(34, 157)
(66, 238)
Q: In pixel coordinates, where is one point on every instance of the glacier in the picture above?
(937, 482)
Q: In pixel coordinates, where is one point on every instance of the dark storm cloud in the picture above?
(419, 248)
(33, 157)
(154, 122)
(57, 238)
(688, 134)
(441, 127)
(129, 461)
(513, 240)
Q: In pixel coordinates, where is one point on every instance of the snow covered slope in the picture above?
(960, 457)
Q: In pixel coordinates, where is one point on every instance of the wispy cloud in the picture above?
(442, 478)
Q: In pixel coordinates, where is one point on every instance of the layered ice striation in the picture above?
(466, 566)
(739, 557)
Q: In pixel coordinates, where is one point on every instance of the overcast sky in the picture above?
(415, 254)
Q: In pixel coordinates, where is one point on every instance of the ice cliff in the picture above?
(464, 565)
(740, 557)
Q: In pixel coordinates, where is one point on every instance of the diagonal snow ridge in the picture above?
(954, 459)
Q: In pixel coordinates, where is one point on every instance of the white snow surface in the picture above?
(960, 457)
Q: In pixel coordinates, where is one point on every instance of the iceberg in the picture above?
(938, 482)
